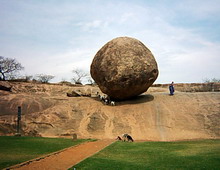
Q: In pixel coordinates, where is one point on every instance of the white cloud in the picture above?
(53, 38)
(89, 26)
(200, 9)
(127, 17)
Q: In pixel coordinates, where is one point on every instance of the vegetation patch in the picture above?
(15, 150)
(203, 154)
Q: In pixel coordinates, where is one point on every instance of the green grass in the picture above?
(14, 150)
(203, 154)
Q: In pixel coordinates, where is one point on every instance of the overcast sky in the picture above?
(54, 37)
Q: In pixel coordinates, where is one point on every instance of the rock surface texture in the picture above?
(48, 112)
(4, 85)
(124, 68)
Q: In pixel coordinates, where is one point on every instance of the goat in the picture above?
(101, 98)
(112, 103)
(118, 138)
(124, 137)
(129, 138)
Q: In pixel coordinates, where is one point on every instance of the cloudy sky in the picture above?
(54, 37)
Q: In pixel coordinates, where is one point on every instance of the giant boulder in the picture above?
(124, 68)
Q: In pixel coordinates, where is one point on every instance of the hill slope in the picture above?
(47, 111)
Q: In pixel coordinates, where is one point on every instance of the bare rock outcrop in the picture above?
(152, 116)
(5, 86)
(73, 94)
(124, 68)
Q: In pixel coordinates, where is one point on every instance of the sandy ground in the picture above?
(47, 111)
(65, 159)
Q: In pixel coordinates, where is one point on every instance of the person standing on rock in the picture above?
(171, 88)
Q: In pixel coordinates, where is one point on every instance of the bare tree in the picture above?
(64, 81)
(43, 78)
(28, 77)
(78, 76)
(90, 80)
(213, 80)
(8, 67)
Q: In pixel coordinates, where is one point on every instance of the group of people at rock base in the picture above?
(106, 99)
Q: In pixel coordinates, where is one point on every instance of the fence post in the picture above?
(19, 121)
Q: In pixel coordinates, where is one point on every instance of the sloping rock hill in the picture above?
(47, 111)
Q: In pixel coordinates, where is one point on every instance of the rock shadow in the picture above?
(137, 100)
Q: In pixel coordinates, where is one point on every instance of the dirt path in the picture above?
(67, 158)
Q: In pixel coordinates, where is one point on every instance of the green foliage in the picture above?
(15, 150)
(156, 155)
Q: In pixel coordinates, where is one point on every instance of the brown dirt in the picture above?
(65, 159)
(47, 111)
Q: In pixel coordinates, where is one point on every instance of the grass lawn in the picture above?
(204, 154)
(14, 150)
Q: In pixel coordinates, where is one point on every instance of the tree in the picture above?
(8, 67)
(90, 80)
(78, 76)
(28, 78)
(43, 78)
(213, 80)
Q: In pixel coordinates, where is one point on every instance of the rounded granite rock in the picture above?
(124, 68)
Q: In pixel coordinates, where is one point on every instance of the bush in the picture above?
(43, 78)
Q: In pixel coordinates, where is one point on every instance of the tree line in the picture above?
(9, 67)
